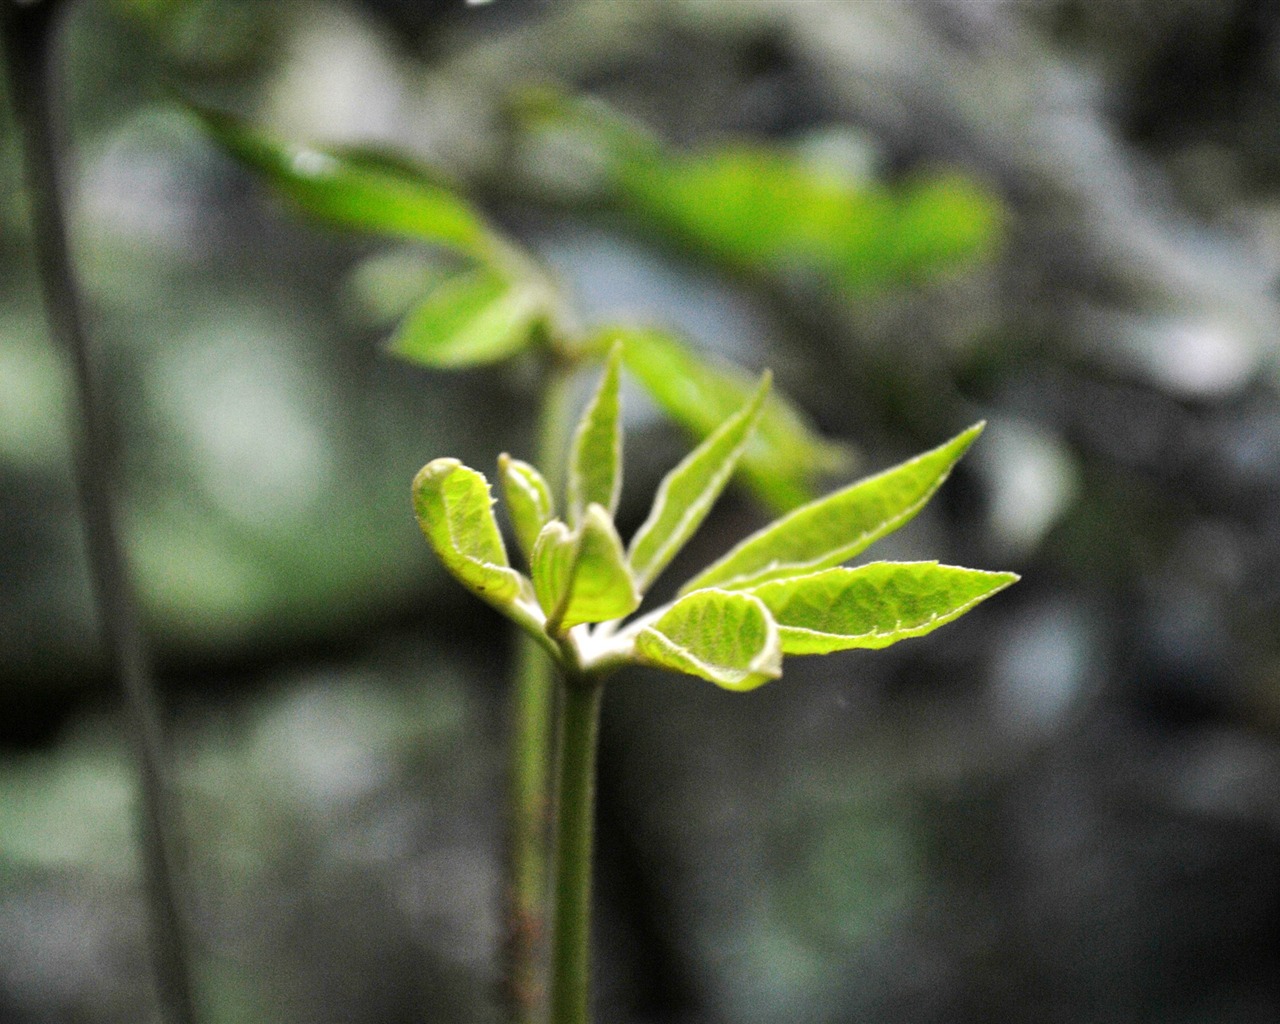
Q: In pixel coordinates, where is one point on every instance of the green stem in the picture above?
(29, 32)
(580, 700)
(530, 751)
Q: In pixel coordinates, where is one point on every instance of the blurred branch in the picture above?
(29, 33)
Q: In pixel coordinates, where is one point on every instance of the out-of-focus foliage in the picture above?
(758, 208)
(507, 304)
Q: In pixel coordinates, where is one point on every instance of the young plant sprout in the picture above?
(784, 590)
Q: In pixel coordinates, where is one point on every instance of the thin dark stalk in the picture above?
(530, 766)
(580, 700)
(29, 33)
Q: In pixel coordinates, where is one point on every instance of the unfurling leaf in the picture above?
(354, 189)
(582, 575)
(455, 510)
(687, 493)
(873, 605)
(834, 529)
(470, 319)
(595, 457)
(785, 457)
(726, 637)
(528, 498)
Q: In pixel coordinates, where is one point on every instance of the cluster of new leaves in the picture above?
(783, 590)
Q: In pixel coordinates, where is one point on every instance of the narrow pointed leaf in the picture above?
(873, 605)
(786, 456)
(725, 637)
(471, 319)
(687, 493)
(355, 189)
(595, 457)
(834, 529)
(455, 510)
(528, 499)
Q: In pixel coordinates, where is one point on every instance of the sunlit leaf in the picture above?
(528, 500)
(687, 493)
(873, 605)
(472, 318)
(785, 456)
(582, 575)
(595, 456)
(727, 638)
(354, 189)
(455, 510)
(839, 526)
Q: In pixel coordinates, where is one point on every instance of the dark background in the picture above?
(1063, 808)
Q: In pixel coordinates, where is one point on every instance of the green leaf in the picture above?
(354, 189)
(785, 456)
(455, 510)
(873, 605)
(551, 564)
(528, 498)
(727, 638)
(582, 575)
(595, 456)
(777, 211)
(687, 493)
(834, 529)
(470, 319)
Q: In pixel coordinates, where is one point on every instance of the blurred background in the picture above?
(1063, 808)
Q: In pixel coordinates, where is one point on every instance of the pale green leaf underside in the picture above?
(727, 638)
(528, 499)
(354, 189)
(785, 456)
(455, 510)
(834, 529)
(873, 605)
(595, 457)
(582, 575)
(687, 493)
(471, 319)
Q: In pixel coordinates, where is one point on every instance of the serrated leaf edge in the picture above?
(851, 548)
(934, 621)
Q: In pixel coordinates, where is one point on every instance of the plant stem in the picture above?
(580, 700)
(530, 751)
(29, 33)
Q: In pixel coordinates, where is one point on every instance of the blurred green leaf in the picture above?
(472, 318)
(784, 457)
(354, 188)
(873, 605)
(687, 493)
(727, 638)
(455, 510)
(839, 526)
(529, 500)
(595, 456)
(768, 209)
